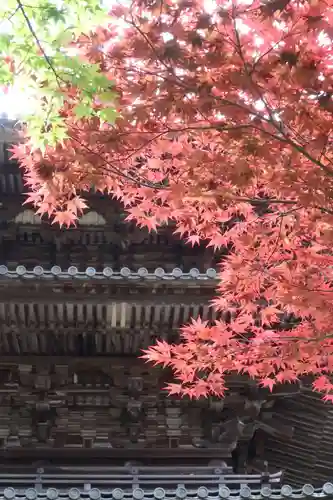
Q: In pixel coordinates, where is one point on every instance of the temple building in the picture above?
(81, 416)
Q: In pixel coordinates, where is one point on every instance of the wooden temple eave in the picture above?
(135, 475)
(115, 244)
(103, 289)
(102, 239)
(51, 407)
(65, 312)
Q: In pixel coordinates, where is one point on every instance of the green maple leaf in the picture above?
(107, 96)
(82, 110)
(108, 115)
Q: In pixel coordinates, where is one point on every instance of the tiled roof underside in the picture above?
(53, 312)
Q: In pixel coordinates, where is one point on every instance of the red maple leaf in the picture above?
(64, 218)
(268, 382)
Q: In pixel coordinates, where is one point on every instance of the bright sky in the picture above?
(12, 104)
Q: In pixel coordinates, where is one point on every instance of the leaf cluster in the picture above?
(225, 131)
(36, 58)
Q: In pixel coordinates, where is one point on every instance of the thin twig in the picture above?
(119, 171)
(32, 31)
(5, 18)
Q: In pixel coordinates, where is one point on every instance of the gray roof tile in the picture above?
(107, 274)
(158, 493)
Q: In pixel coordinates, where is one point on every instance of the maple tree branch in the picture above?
(285, 138)
(276, 244)
(313, 339)
(33, 33)
(303, 151)
(282, 137)
(118, 171)
(151, 45)
(212, 126)
(278, 126)
(144, 182)
(274, 46)
(263, 201)
(255, 87)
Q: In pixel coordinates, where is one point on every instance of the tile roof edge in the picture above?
(108, 273)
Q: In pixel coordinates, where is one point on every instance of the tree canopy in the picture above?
(225, 129)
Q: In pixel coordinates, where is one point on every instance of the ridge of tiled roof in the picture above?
(180, 492)
(108, 274)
